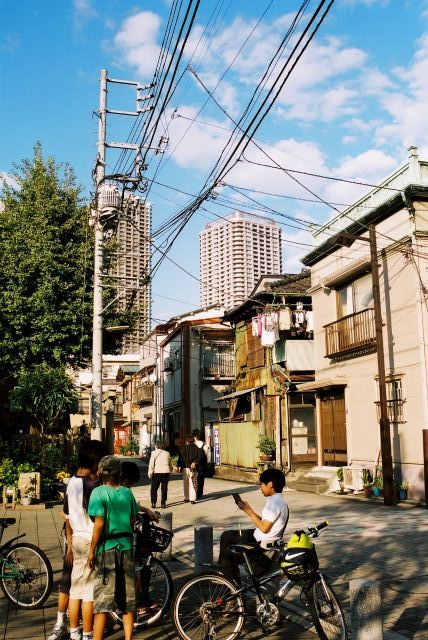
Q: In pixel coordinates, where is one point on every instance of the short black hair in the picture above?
(90, 453)
(276, 476)
(129, 471)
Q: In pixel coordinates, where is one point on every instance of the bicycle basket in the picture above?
(151, 537)
(299, 561)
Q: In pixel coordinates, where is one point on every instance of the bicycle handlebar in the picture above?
(313, 532)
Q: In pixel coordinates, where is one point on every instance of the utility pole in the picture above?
(384, 424)
(97, 322)
(347, 239)
(107, 210)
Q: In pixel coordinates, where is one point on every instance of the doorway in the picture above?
(333, 430)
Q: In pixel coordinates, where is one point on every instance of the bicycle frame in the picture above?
(257, 583)
(6, 563)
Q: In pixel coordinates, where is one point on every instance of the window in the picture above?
(394, 400)
(354, 297)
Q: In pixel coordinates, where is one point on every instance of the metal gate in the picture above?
(333, 431)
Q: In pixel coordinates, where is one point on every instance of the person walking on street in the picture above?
(159, 472)
(188, 463)
(202, 464)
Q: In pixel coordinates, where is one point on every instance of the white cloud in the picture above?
(83, 11)
(136, 41)
(8, 179)
(199, 148)
(371, 166)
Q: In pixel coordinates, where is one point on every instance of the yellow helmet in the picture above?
(300, 540)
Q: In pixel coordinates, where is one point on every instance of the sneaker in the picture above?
(58, 632)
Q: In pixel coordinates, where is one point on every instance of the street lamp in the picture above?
(347, 239)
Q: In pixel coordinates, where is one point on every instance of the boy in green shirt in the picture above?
(113, 508)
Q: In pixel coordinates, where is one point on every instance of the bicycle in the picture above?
(211, 606)
(25, 571)
(153, 581)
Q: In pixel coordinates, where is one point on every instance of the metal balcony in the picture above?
(144, 394)
(350, 334)
(218, 365)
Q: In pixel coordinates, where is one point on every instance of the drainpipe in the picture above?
(420, 294)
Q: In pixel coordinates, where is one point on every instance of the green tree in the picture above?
(44, 395)
(46, 265)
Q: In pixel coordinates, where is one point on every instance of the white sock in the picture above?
(61, 618)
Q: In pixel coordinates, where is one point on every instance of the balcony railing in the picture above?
(351, 333)
(144, 394)
(218, 365)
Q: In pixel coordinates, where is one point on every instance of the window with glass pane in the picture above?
(394, 400)
(363, 293)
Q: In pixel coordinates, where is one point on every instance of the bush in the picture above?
(9, 472)
(266, 445)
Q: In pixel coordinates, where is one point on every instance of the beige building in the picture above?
(234, 253)
(346, 370)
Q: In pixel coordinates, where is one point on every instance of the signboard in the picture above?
(216, 447)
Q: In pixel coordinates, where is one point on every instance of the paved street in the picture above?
(365, 540)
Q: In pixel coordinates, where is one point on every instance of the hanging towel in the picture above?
(255, 326)
(284, 319)
(309, 320)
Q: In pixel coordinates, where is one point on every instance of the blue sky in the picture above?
(355, 102)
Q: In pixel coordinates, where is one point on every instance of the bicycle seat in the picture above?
(245, 548)
(6, 522)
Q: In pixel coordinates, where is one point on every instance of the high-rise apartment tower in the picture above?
(130, 265)
(234, 253)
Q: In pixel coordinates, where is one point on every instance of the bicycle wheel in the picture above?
(326, 611)
(26, 575)
(202, 610)
(153, 592)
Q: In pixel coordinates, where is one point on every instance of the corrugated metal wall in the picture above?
(238, 441)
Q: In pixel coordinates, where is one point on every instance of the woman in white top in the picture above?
(159, 471)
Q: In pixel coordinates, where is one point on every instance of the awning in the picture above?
(326, 383)
(239, 393)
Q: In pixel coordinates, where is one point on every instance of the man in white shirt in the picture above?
(270, 525)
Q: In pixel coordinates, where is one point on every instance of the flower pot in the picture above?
(376, 492)
(26, 501)
(402, 494)
(266, 457)
(367, 491)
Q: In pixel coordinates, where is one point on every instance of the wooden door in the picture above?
(333, 431)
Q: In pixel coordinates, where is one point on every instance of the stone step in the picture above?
(310, 487)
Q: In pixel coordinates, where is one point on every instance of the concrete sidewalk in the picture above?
(365, 540)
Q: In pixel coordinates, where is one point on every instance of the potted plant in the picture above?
(267, 448)
(402, 490)
(339, 474)
(367, 483)
(174, 463)
(378, 483)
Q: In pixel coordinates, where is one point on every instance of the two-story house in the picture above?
(197, 366)
(346, 369)
(273, 353)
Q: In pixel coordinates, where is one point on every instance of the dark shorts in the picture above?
(114, 581)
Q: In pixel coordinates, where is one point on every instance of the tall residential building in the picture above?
(234, 253)
(130, 264)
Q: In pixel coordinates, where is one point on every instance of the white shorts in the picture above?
(82, 579)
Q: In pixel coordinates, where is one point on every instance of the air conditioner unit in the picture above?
(353, 478)
(168, 364)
